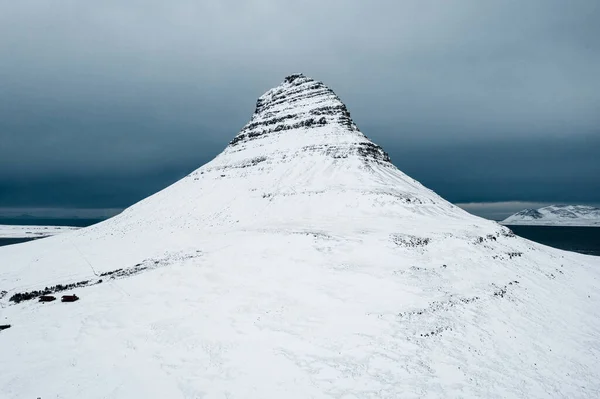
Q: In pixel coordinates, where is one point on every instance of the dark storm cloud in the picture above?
(102, 103)
(560, 169)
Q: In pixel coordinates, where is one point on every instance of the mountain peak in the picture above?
(298, 102)
(300, 245)
(294, 76)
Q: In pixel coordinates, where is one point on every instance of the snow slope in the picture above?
(299, 263)
(15, 231)
(557, 215)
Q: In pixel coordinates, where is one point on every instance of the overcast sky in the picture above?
(103, 103)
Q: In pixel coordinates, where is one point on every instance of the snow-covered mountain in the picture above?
(557, 215)
(18, 231)
(299, 263)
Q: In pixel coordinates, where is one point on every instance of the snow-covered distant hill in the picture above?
(17, 231)
(557, 215)
(299, 263)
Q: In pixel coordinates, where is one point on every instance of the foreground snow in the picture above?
(557, 215)
(281, 313)
(297, 264)
(16, 231)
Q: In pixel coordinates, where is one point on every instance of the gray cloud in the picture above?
(482, 101)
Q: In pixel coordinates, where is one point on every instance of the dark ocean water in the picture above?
(50, 222)
(585, 240)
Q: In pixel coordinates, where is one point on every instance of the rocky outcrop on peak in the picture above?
(300, 104)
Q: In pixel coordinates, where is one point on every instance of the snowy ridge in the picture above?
(300, 262)
(557, 215)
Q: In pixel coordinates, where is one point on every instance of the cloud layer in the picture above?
(103, 103)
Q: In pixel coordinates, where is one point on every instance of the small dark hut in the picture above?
(47, 298)
(69, 298)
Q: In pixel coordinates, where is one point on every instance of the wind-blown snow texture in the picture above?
(299, 263)
(557, 215)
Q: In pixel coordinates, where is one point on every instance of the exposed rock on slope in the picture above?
(299, 263)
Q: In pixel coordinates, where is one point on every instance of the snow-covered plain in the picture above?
(16, 231)
(557, 215)
(299, 263)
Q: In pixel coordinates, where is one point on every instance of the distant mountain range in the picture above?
(557, 215)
